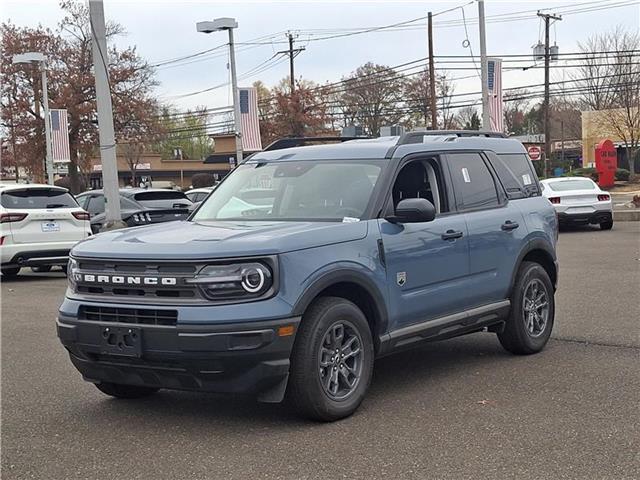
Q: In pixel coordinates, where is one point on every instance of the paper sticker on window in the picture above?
(465, 175)
(526, 179)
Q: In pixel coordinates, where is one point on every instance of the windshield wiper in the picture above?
(55, 205)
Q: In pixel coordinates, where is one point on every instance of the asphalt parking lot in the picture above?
(460, 409)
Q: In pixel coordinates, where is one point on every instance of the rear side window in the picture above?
(473, 182)
(516, 174)
(168, 199)
(31, 198)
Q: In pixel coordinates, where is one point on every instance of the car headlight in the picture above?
(73, 273)
(235, 281)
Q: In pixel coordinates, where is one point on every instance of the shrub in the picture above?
(201, 180)
(622, 174)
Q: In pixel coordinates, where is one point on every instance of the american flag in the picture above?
(249, 118)
(494, 79)
(59, 136)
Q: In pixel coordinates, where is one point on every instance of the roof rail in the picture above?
(418, 137)
(288, 142)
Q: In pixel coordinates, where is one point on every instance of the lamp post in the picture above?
(228, 24)
(36, 57)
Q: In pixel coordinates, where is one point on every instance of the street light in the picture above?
(229, 24)
(36, 57)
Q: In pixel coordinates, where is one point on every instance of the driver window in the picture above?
(420, 179)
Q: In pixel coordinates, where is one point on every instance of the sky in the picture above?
(163, 30)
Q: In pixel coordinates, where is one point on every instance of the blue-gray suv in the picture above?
(307, 263)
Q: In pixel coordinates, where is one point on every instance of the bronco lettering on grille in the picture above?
(125, 280)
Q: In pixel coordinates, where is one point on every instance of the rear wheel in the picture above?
(10, 272)
(606, 225)
(530, 321)
(125, 391)
(332, 360)
(41, 269)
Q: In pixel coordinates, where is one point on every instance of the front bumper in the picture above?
(243, 358)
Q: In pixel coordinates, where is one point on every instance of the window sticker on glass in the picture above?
(350, 220)
(526, 179)
(465, 175)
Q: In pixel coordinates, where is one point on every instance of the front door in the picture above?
(427, 263)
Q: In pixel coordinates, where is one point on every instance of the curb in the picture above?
(626, 215)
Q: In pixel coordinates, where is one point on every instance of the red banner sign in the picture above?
(606, 163)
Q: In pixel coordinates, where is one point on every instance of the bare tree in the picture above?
(444, 91)
(611, 81)
(516, 104)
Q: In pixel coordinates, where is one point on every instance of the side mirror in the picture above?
(414, 210)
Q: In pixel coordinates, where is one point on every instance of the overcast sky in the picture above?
(163, 30)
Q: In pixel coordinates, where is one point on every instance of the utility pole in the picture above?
(484, 67)
(106, 133)
(293, 53)
(547, 58)
(432, 75)
(47, 123)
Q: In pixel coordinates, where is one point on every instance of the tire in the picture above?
(41, 269)
(606, 225)
(125, 391)
(10, 272)
(315, 391)
(524, 333)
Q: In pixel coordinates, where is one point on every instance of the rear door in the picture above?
(49, 215)
(496, 227)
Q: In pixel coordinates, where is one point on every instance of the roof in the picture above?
(388, 147)
(22, 186)
(130, 192)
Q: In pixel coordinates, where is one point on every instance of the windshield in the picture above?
(577, 184)
(31, 198)
(309, 190)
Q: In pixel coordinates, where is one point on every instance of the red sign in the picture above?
(534, 152)
(606, 163)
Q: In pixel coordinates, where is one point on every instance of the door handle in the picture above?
(451, 235)
(509, 225)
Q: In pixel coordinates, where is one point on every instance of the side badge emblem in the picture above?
(401, 278)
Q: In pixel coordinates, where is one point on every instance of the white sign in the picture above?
(97, 168)
(143, 166)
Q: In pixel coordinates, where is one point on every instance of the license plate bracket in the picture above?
(50, 226)
(123, 341)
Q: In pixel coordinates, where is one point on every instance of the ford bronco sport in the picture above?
(308, 263)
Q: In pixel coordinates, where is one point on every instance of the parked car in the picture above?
(579, 200)
(138, 206)
(197, 195)
(39, 225)
(366, 248)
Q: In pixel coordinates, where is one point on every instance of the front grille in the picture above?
(142, 316)
(139, 270)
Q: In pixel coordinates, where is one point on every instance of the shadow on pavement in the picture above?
(26, 276)
(394, 378)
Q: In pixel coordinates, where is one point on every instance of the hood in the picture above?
(219, 239)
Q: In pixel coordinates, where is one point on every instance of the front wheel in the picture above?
(332, 360)
(530, 321)
(125, 391)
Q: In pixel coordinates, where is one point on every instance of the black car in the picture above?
(138, 206)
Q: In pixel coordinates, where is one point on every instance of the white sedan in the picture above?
(579, 200)
(39, 225)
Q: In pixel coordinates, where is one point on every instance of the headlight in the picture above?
(235, 281)
(72, 273)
